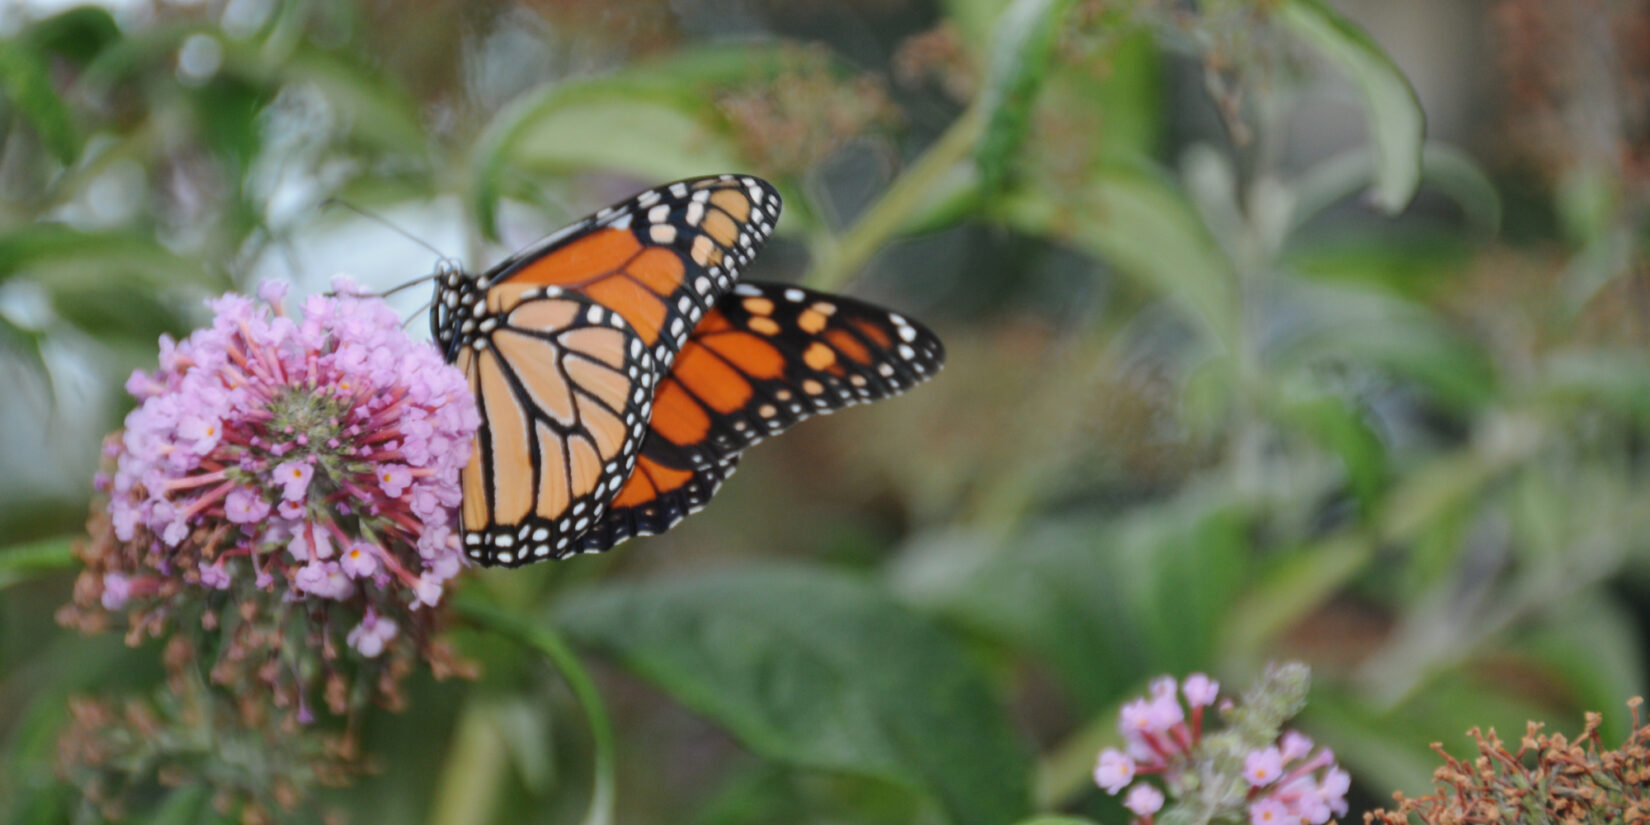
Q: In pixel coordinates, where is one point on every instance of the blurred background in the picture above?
(1278, 329)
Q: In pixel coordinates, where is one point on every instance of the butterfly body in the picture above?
(621, 367)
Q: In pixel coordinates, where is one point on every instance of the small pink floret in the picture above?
(1113, 771)
(361, 560)
(117, 589)
(1263, 767)
(1270, 811)
(1294, 745)
(214, 576)
(1143, 800)
(294, 476)
(1200, 690)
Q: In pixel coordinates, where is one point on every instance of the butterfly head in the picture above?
(458, 296)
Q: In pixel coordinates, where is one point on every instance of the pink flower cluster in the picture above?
(315, 457)
(1159, 736)
(1290, 783)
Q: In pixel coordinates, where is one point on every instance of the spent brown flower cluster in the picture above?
(118, 752)
(1578, 82)
(938, 56)
(801, 117)
(1550, 778)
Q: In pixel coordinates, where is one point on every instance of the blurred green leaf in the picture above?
(811, 668)
(21, 562)
(976, 20)
(61, 257)
(1287, 591)
(227, 109)
(1431, 492)
(1343, 325)
(1056, 591)
(654, 120)
(1136, 220)
(1594, 647)
(543, 640)
(116, 312)
(1445, 168)
(1057, 820)
(79, 34)
(1397, 125)
(1577, 379)
(26, 81)
(1338, 426)
(185, 806)
(1104, 603)
(1022, 49)
(477, 763)
(377, 110)
(525, 726)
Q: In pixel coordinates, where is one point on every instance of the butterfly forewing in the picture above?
(661, 259)
(559, 381)
(770, 356)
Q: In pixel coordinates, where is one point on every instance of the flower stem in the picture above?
(551, 644)
(842, 260)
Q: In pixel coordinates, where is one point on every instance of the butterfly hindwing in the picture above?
(772, 355)
(661, 259)
(655, 498)
(559, 381)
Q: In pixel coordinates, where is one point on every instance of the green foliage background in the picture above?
(1246, 362)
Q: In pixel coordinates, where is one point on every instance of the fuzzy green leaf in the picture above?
(1397, 126)
(27, 86)
(814, 669)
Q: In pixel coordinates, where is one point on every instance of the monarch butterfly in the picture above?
(621, 368)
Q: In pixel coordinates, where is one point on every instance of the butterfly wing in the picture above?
(559, 381)
(770, 356)
(654, 499)
(767, 357)
(661, 259)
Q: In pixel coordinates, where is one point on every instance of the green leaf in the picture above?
(542, 639)
(1288, 591)
(1397, 125)
(1592, 644)
(1340, 427)
(1137, 221)
(821, 671)
(1443, 168)
(79, 34)
(1022, 50)
(116, 311)
(1057, 820)
(378, 111)
(59, 257)
(1104, 603)
(976, 20)
(654, 120)
(184, 806)
(27, 85)
(21, 562)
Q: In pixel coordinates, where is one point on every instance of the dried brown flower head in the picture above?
(1548, 779)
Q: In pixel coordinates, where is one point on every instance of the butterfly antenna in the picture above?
(380, 220)
(418, 313)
